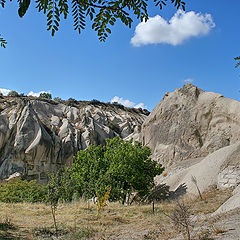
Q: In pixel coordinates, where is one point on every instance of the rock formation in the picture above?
(37, 136)
(196, 136)
(191, 123)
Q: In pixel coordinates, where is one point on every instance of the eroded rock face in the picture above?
(38, 136)
(191, 123)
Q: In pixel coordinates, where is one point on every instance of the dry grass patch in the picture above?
(212, 200)
(78, 221)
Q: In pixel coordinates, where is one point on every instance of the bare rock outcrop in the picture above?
(191, 123)
(196, 136)
(207, 171)
(37, 135)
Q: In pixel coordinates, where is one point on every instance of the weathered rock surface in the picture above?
(231, 204)
(190, 123)
(207, 171)
(37, 136)
(196, 135)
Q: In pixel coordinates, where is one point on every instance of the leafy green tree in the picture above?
(45, 95)
(60, 188)
(103, 14)
(89, 170)
(13, 94)
(53, 195)
(124, 166)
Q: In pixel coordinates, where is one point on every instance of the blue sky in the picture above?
(137, 65)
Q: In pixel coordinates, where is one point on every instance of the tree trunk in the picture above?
(54, 217)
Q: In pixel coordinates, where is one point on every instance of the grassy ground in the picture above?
(78, 221)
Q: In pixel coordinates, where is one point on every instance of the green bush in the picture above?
(18, 190)
(13, 94)
(45, 95)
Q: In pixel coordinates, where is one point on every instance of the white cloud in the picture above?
(37, 94)
(188, 80)
(182, 26)
(128, 103)
(140, 105)
(5, 91)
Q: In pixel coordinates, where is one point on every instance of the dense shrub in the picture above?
(45, 95)
(94, 102)
(13, 94)
(18, 190)
(71, 102)
(118, 105)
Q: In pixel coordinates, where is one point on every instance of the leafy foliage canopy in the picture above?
(124, 166)
(102, 13)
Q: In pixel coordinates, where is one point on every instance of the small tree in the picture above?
(45, 95)
(194, 180)
(60, 188)
(102, 200)
(13, 94)
(181, 218)
(53, 195)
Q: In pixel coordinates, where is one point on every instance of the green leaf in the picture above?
(23, 7)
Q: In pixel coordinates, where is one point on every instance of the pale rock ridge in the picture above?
(38, 136)
(206, 171)
(191, 123)
(233, 203)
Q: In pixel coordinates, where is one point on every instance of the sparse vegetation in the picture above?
(182, 218)
(13, 94)
(76, 221)
(58, 99)
(45, 95)
(194, 180)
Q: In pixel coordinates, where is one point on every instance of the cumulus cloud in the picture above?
(188, 80)
(128, 103)
(37, 94)
(5, 91)
(182, 26)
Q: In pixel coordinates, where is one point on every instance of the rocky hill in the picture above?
(196, 136)
(193, 133)
(39, 135)
(190, 123)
